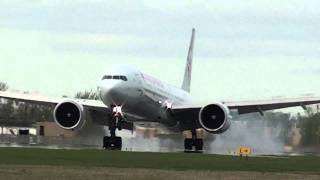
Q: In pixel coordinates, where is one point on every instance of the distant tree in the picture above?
(6, 106)
(310, 129)
(3, 86)
(6, 112)
(15, 113)
(87, 95)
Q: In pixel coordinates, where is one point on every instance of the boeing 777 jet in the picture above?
(128, 96)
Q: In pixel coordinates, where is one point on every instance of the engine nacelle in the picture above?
(214, 118)
(69, 115)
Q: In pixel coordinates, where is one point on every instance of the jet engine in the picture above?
(69, 115)
(214, 118)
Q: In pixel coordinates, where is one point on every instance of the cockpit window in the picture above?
(124, 78)
(107, 77)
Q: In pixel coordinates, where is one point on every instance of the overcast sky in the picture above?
(243, 49)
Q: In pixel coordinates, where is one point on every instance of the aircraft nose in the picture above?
(108, 86)
(109, 90)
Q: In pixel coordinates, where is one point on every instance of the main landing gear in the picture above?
(193, 142)
(114, 142)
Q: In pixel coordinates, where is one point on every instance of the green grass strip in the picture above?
(170, 161)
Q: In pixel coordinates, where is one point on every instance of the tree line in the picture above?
(310, 127)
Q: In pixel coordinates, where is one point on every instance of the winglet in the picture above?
(187, 73)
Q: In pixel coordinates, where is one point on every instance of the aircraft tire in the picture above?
(106, 142)
(112, 143)
(198, 143)
(117, 143)
(188, 143)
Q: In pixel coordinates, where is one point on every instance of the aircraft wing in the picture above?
(260, 106)
(43, 100)
(244, 107)
(98, 111)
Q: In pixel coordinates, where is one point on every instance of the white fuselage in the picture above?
(140, 95)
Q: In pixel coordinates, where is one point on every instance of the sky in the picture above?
(244, 49)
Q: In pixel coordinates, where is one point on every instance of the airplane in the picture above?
(129, 96)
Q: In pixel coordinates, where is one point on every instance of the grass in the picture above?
(162, 161)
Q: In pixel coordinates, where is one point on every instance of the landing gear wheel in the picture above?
(116, 143)
(188, 143)
(106, 142)
(198, 143)
(112, 143)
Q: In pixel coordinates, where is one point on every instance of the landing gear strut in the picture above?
(193, 139)
(114, 142)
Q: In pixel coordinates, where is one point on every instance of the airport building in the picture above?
(51, 129)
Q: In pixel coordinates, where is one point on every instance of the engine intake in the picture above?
(214, 118)
(69, 115)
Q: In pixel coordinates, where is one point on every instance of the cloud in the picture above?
(311, 70)
(21, 39)
(238, 47)
(266, 6)
(94, 41)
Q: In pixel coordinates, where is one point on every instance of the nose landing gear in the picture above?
(114, 142)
